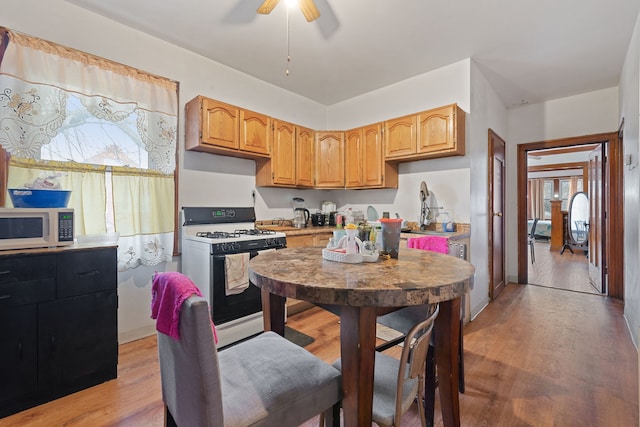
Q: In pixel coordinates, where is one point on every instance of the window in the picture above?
(548, 195)
(105, 131)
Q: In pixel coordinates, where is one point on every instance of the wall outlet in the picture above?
(628, 159)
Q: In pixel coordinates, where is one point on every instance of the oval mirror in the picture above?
(578, 219)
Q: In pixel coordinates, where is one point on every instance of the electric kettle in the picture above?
(300, 217)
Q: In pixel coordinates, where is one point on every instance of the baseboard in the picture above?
(136, 334)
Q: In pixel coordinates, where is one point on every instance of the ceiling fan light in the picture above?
(292, 3)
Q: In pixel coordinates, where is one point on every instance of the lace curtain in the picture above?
(38, 81)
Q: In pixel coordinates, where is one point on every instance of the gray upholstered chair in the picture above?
(263, 381)
(398, 383)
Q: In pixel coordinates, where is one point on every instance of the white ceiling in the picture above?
(530, 51)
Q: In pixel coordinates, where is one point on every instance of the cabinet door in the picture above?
(438, 131)
(77, 341)
(299, 241)
(321, 239)
(400, 136)
(329, 160)
(84, 272)
(220, 124)
(283, 157)
(255, 132)
(18, 354)
(353, 158)
(372, 156)
(304, 157)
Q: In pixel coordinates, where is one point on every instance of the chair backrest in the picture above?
(189, 369)
(414, 357)
(532, 232)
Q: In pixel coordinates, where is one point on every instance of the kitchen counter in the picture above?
(290, 230)
(452, 235)
(69, 248)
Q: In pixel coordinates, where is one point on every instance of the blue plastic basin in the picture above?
(26, 198)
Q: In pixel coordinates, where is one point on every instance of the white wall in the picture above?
(447, 178)
(584, 114)
(488, 112)
(446, 85)
(630, 111)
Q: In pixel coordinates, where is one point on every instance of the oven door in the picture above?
(225, 308)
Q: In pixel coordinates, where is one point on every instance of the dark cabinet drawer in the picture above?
(27, 279)
(87, 272)
(21, 268)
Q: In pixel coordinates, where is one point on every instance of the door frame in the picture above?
(613, 197)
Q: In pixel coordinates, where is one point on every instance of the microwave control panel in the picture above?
(65, 226)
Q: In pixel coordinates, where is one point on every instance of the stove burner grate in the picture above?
(255, 232)
(236, 234)
(218, 234)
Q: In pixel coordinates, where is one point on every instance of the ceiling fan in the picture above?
(307, 7)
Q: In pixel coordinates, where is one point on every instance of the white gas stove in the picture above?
(209, 236)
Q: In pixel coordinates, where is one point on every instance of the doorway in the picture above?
(610, 240)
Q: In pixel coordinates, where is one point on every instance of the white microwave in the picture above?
(23, 228)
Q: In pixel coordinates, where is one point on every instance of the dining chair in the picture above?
(398, 383)
(402, 321)
(265, 380)
(532, 240)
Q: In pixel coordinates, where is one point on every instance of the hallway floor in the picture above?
(567, 271)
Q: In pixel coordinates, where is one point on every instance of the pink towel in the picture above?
(430, 243)
(168, 292)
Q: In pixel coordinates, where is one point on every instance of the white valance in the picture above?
(37, 78)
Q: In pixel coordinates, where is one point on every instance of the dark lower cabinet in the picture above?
(58, 325)
(18, 353)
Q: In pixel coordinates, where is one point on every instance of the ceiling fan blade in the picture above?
(267, 6)
(309, 10)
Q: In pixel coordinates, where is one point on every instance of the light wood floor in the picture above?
(567, 271)
(535, 357)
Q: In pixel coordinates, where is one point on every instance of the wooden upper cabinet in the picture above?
(283, 158)
(255, 132)
(329, 159)
(400, 136)
(434, 133)
(215, 127)
(365, 166)
(353, 157)
(304, 157)
(373, 174)
(441, 131)
(220, 124)
(291, 161)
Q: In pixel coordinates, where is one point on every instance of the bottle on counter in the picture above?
(447, 223)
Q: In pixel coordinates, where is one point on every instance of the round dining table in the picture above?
(360, 292)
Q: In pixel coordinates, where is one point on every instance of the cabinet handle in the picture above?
(90, 273)
(53, 343)
(5, 272)
(20, 350)
(4, 297)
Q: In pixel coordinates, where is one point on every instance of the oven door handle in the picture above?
(252, 254)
